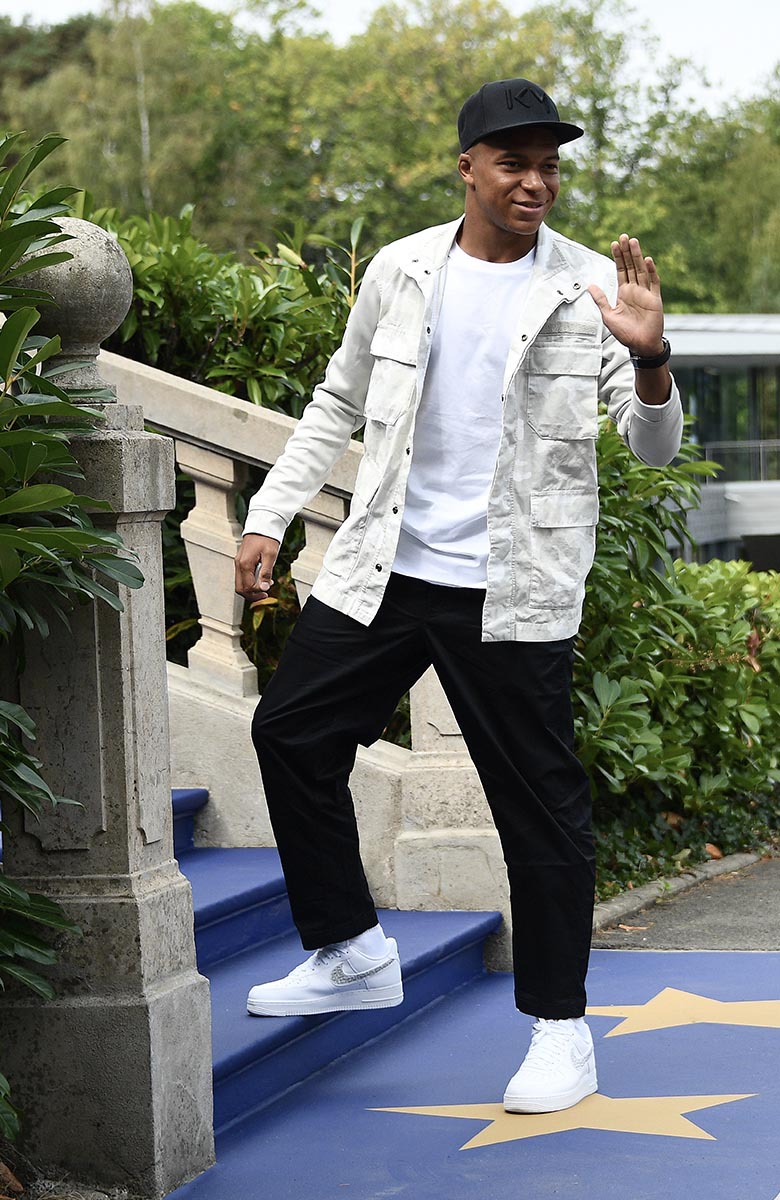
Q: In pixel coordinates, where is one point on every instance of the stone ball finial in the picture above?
(93, 291)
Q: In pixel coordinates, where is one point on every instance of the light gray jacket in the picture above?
(543, 506)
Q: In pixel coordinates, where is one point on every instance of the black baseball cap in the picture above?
(509, 104)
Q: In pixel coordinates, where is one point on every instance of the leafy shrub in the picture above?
(54, 557)
(262, 330)
(677, 683)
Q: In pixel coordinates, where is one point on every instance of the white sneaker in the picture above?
(337, 978)
(558, 1071)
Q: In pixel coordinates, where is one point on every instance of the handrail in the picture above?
(204, 417)
(755, 454)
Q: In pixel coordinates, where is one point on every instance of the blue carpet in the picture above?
(325, 1138)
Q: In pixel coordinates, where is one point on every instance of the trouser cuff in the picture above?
(550, 1010)
(325, 935)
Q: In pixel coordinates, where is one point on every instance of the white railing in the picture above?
(753, 460)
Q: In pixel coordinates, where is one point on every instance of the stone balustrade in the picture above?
(215, 436)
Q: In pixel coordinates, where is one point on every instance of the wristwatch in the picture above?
(657, 360)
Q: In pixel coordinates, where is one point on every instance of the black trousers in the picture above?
(337, 685)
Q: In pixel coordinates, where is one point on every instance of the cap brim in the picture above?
(562, 130)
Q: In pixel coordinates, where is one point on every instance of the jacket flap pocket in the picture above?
(555, 359)
(390, 341)
(564, 510)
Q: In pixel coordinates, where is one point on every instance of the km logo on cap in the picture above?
(525, 97)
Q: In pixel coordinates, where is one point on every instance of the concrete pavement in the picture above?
(738, 909)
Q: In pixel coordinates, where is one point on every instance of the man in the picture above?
(475, 356)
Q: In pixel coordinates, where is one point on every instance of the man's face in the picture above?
(512, 179)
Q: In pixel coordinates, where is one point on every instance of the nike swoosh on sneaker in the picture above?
(338, 976)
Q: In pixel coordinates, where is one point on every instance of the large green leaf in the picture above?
(12, 338)
(40, 909)
(24, 168)
(47, 350)
(38, 261)
(30, 979)
(17, 716)
(10, 565)
(16, 940)
(120, 569)
(40, 497)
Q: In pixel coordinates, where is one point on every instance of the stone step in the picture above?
(239, 899)
(256, 1059)
(186, 802)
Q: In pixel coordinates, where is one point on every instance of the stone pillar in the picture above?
(114, 1075)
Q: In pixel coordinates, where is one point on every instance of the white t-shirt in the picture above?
(444, 534)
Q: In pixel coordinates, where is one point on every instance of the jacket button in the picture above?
(408, 449)
(576, 286)
(395, 508)
(524, 338)
(427, 329)
(427, 272)
(379, 566)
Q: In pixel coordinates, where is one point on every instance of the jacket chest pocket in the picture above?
(393, 376)
(563, 390)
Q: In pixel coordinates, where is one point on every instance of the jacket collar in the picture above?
(557, 261)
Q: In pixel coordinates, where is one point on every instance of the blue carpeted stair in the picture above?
(244, 935)
(325, 1107)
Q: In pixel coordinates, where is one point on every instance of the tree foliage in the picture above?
(269, 125)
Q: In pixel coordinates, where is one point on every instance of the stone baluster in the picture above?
(434, 728)
(114, 1074)
(321, 517)
(211, 536)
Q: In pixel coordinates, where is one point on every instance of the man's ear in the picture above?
(465, 167)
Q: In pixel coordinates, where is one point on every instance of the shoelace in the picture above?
(547, 1042)
(325, 955)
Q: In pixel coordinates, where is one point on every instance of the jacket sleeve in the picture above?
(653, 432)
(330, 418)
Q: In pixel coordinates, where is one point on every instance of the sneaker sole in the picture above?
(547, 1104)
(378, 998)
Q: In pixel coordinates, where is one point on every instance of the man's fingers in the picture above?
(627, 255)
(620, 262)
(653, 278)
(254, 566)
(265, 576)
(633, 266)
(637, 261)
(245, 581)
(600, 297)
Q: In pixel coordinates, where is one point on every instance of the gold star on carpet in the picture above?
(672, 1007)
(659, 1115)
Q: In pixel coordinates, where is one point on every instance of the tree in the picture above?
(277, 129)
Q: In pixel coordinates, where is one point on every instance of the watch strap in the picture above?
(657, 360)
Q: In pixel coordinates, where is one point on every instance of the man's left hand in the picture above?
(637, 320)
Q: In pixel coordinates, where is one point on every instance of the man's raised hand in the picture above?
(255, 551)
(637, 320)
